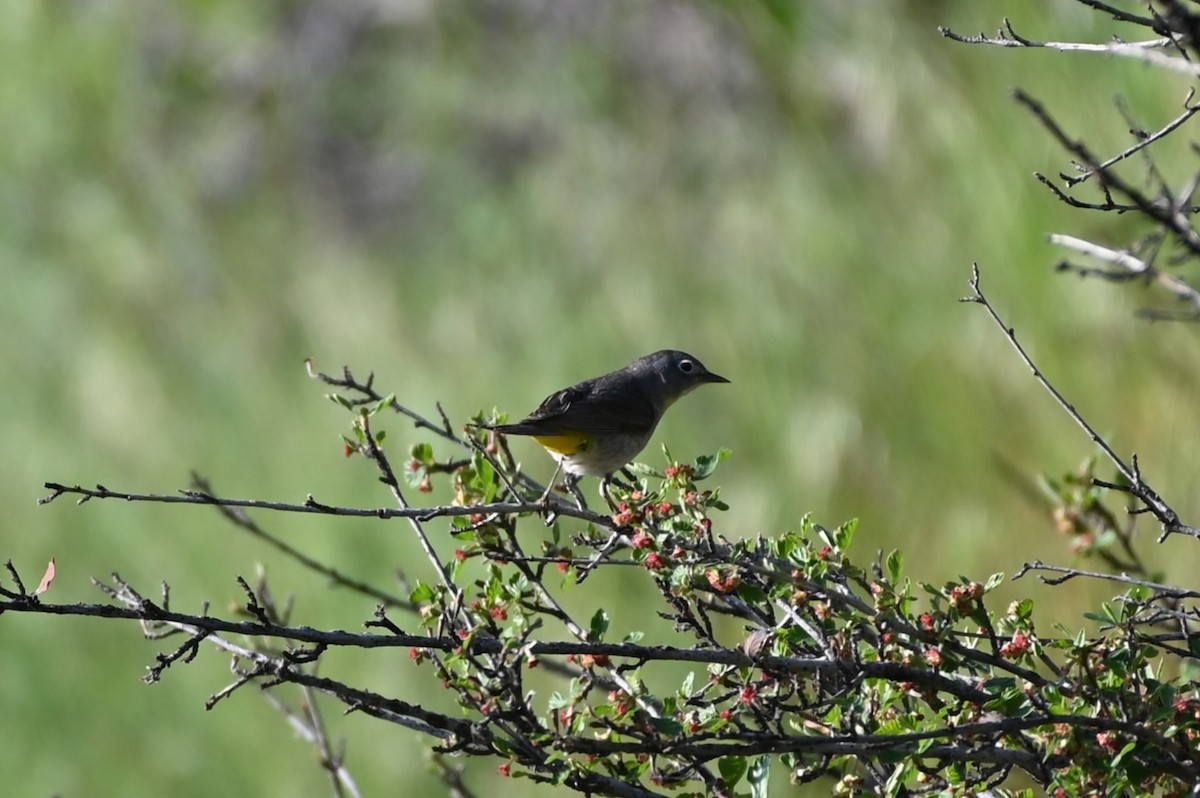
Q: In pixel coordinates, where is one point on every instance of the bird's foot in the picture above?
(605, 484)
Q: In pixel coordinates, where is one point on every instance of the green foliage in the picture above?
(894, 683)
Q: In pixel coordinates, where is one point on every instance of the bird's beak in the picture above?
(710, 377)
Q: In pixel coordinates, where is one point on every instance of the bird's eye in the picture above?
(687, 366)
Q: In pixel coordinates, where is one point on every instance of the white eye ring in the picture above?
(687, 366)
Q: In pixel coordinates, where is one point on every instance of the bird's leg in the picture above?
(609, 480)
(572, 483)
(545, 497)
(615, 537)
(605, 482)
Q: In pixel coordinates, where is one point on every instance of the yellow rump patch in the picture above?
(566, 445)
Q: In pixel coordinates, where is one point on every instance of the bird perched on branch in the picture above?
(595, 428)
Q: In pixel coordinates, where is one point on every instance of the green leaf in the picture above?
(706, 464)
(667, 726)
(421, 593)
(760, 773)
(840, 538)
(998, 683)
(993, 581)
(643, 470)
(422, 453)
(845, 533)
(485, 477)
(895, 782)
(1124, 752)
(414, 478)
(636, 685)
(689, 681)
(598, 626)
(732, 769)
(895, 565)
(379, 437)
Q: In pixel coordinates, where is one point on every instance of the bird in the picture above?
(596, 427)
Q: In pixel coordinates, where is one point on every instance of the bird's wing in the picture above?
(587, 407)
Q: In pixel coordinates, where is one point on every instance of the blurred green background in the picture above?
(482, 202)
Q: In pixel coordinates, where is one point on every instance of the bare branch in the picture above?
(312, 506)
(1143, 142)
(1145, 51)
(1166, 515)
(1125, 579)
(1168, 215)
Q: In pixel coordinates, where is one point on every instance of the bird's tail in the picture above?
(515, 429)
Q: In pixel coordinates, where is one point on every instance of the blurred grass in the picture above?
(482, 202)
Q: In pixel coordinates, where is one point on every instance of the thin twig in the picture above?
(311, 505)
(1146, 51)
(1166, 515)
(1125, 579)
(1142, 143)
